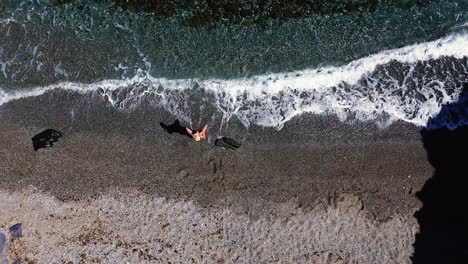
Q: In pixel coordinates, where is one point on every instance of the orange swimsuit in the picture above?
(197, 136)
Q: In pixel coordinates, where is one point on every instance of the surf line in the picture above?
(310, 80)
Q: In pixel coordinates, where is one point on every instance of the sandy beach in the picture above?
(351, 117)
(327, 183)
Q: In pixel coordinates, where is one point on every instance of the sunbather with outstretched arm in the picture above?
(198, 135)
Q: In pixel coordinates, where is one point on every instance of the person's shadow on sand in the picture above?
(443, 218)
(175, 128)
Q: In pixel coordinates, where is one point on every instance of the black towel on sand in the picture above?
(228, 143)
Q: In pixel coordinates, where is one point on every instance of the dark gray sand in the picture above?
(310, 165)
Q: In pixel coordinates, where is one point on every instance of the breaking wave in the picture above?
(410, 84)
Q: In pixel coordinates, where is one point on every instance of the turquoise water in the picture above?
(95, 41)
(391, 62)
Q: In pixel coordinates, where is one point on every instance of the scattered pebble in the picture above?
(16, 230)
(183, 174)
(3, 245)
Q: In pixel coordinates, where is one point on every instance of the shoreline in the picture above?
(341, 192)
(312, 158)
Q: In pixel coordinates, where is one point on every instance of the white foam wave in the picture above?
(273, 99)
(323, 78)
(109, 85)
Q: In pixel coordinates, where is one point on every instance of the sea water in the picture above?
(385, 64)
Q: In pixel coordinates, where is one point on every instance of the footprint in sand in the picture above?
(183, 174)
(216, 165)
(212, 163)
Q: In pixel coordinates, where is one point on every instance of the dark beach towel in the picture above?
(46, 139)
(227, 143)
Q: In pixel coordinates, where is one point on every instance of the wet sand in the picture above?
(314, 165)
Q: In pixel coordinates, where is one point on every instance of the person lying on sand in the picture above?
(198, 135)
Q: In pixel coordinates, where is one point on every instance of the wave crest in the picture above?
(410, 84)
